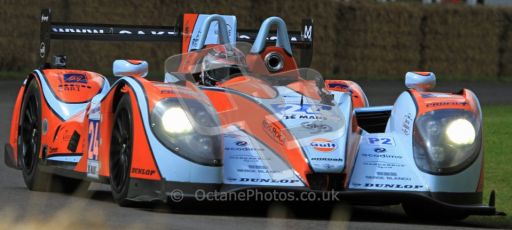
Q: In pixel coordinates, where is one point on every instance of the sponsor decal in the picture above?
(42, 50)
(304, 112)
(293, 38)
(44, 18)
(383, 165)
(72, 87)
(194, 41)
(304, 109)
(262, 180)
(381, 141)
(316, 127)
(304, 117)
(379, 150)
(246, 158)
(405, 186)
(248, 149)
(386, 173)
(75, 78)
(326, 159)
(274, 131)
(147, 172)
(395, 178)
(446, 103)
(79, 30)
(241, 143)
(308, 32)
(257, 167)
(242, 146)
(407, 123)
(74, 82)
(381, 155)
(93, 30)
(323, 145)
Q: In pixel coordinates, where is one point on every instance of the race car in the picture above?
(231, 116)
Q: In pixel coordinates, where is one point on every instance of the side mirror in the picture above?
(421, 81)
(125, 68)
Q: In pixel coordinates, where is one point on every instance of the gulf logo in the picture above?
(323, 145)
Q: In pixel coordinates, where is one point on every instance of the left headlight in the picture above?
(175, 121)
(446, 141)
(188, 128)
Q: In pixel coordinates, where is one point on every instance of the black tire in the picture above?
(121, 147)
(29, 146)
(426, 213)
(29, 140)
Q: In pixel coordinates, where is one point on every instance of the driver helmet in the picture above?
(220, 64)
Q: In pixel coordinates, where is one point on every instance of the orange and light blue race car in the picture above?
(235, 112)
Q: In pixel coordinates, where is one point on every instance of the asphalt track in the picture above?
(96, 209)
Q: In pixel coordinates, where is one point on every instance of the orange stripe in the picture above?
(252, 118)
(423, 73)
(189, 22)
(134, 62)
(450, 101)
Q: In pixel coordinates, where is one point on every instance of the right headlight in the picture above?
(446, 141)
(461, 132)
(188, 128)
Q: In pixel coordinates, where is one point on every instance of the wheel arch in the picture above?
(142, 157)
(15, 119)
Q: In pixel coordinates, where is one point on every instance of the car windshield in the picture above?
(291, 107)
(235, 67)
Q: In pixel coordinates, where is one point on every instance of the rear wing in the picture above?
(50, 30)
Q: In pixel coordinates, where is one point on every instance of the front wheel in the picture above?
(121, 151)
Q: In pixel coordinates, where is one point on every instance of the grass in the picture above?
(498, 161)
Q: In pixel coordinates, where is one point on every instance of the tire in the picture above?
(29, 146)
(426, 213)
(121, 148)
(29, 140)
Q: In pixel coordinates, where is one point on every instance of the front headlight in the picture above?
(461, 132)
(188, 128)
(446, 141)
(175, 121)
